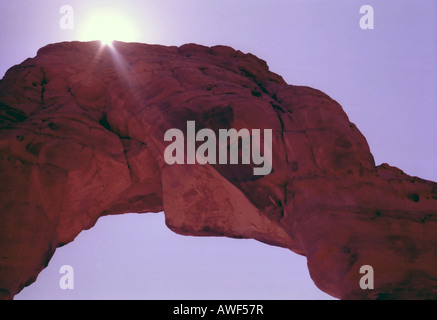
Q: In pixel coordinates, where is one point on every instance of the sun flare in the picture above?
(108, 25)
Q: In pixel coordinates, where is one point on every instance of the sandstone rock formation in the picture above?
(81, 136)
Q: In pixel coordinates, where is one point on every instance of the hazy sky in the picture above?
(385, 79)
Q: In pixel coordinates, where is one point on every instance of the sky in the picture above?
(385, 79)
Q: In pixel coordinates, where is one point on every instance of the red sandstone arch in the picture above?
(81, 136)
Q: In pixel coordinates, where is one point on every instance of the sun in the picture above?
(108, 25)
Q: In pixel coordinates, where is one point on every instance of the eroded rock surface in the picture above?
(82, 135)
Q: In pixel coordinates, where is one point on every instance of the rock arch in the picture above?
(81, 136)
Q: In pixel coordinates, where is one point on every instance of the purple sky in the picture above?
(385, 79)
